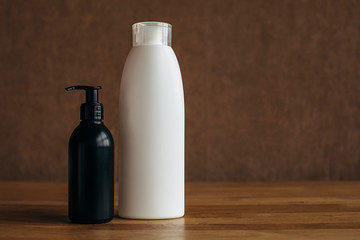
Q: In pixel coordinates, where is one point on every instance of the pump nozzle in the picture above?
(91, 109)
(91, 92)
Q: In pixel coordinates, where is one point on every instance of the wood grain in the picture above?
(292, 210)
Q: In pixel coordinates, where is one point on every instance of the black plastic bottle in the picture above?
(91, 164)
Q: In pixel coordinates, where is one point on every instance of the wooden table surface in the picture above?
(293, 210)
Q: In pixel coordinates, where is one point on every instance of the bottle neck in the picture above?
(91, 111)
(87, 121)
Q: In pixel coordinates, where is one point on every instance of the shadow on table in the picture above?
(28, 214)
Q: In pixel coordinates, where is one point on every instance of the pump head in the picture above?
(91, 109)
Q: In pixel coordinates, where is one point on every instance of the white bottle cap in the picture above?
(151, 33)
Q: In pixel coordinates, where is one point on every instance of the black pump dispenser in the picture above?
(91, 109)
(91, 164)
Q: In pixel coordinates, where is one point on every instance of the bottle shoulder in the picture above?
(156, 53)
(153, 61)
(92, 134)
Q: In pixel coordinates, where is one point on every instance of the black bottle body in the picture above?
(91, 173)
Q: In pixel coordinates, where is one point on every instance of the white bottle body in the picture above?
(151, 151)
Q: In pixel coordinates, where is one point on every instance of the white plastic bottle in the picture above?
(151, 152)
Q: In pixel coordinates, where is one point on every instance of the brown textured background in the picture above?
(272, 88)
